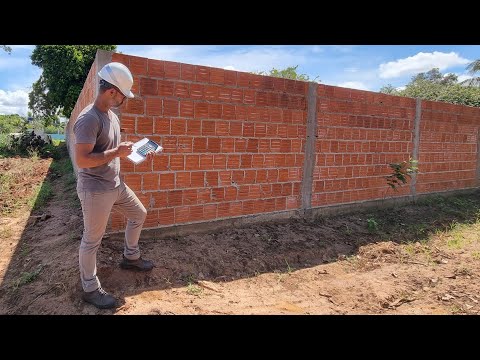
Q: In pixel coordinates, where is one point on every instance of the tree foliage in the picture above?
(8, 49)
(389, 89)
(287, 73)
(40, 101)
(65, 69)
(473, 68)
(435, 86)
(11, 123)
(436, 77)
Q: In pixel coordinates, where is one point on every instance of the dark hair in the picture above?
(105, 85)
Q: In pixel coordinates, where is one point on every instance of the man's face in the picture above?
(118, 98)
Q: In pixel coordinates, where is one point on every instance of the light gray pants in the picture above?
(96, 208)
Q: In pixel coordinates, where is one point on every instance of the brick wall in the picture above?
(238, 144)
(359, 134)
(448, 147)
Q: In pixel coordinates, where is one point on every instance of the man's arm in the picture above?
(84, 157)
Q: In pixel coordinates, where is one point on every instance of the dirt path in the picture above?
(418, 259)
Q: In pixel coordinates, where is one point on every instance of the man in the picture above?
(97, 154)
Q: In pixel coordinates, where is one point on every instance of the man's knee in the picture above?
(141, 214)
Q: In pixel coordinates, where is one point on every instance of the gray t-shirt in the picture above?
(102, 129)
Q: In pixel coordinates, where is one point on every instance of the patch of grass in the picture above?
(410, 248)
(72, 236)
(19, 184)
(5, 144)
(280, 276)
(27, 277)
(420, 230)
(352, 260)
(24, 250)
(372, 225)
(456, 233)
(193, 289)
(476, 255)
(455, 309)
(41, 196)
(63, 166)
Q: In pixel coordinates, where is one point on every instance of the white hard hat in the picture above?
(118, 74)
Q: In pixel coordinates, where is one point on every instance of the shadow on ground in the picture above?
(42, 276)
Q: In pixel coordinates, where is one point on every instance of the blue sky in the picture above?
(367, 67)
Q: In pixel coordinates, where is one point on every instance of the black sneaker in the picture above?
(100, 298)
(139, 264)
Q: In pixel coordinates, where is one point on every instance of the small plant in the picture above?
(27, 277)
(289, 268)
(455, 309)
(24, 250)
(372, 225)
(476, 255)
(348, 230)
(193, 289)
(401, 172)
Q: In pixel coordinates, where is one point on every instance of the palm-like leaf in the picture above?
(474, 67)
(471, 82)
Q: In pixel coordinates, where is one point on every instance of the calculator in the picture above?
(141, 148)
(149, 146)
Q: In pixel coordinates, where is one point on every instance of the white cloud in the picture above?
(229, 67)
(246, 59)
(354, 85)
(420, 62)
(351, 69)
(13, 102)
(400, 88)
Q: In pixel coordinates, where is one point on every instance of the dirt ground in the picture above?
(414, 259)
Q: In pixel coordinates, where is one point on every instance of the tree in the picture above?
(473, 68)
(389, 89)
(65, 69)
(288, 73)
(8, 49)
(435, 76)
(11, 123)
(435, 86)
(42, 104)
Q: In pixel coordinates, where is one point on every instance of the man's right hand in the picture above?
(124, 148)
